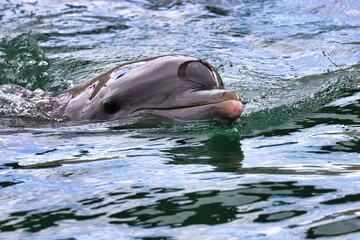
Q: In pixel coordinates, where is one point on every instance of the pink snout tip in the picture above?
(234, 109)
(231, 109)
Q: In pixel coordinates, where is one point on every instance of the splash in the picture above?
(284, 109)
(16, 101)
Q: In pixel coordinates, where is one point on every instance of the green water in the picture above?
(289, 168)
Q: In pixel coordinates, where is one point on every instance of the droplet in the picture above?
(43, 63)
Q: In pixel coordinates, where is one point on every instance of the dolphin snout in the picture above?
(229, 95)
(231, 106)
(233, 109)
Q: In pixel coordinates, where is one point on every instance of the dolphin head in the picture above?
(176, 87)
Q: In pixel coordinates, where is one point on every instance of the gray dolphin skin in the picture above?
(176, 87)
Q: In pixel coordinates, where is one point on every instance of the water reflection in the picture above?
(210, 207)
(278, 216)
(336, 228)
(221, 150)
(34, 221)
(215, 206)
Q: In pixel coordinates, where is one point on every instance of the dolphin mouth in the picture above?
(224, 110)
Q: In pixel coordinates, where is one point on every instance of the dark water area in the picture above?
(288, 168)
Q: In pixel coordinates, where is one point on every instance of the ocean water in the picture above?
(288, 168)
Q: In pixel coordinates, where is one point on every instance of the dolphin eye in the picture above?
(111, 107)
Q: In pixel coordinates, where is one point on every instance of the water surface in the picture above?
(289, 168)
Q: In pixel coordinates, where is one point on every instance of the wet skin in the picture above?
(176, 87)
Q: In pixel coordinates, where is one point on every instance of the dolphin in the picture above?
(176, 87)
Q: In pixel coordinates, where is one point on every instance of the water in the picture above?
(289, 168)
